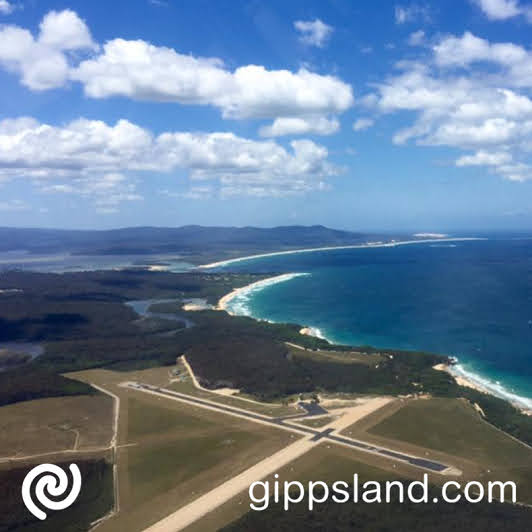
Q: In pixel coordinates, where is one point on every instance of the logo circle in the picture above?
(52, 481)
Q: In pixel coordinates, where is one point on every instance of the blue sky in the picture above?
(357, 115)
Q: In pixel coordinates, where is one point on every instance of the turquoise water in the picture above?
(472, 300)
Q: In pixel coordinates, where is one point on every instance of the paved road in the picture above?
(281, 423)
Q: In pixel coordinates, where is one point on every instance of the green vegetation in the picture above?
(501, 414)
(393, 517)
(454, 427)
(316, 422)
(333, 463)
(25, 384)
(11, 359)
(55, 424)
(94, 501)
(83, 323)
(242, 353)
(178, 452)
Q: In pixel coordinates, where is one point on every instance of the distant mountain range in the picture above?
(190, 240)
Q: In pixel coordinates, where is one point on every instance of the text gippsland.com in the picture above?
(262, 493)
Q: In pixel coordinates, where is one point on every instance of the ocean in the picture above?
(468, 299)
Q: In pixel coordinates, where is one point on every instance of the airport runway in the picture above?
(283, 422)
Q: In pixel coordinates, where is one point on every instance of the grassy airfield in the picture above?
(170, 453)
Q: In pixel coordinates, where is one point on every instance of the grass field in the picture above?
(454, 427)
(316, 422)
(448, 429)
(341, 357)
(175, 446)
(170, 453)
(162, 376)
(55, 424)
(268, 409)
(326, 462)
(331, 465)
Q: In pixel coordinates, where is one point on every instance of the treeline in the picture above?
(32, 382)
(501, 414)
(82, 321)
(252, 356)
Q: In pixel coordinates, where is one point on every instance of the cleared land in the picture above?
(340, 357)
(325, 462)
(170, 453)
(452, 427)
(211, 500)
(316, 422)
(55, 424)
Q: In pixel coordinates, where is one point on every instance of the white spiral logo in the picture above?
(53, 483)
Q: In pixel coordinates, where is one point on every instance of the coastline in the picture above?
(475, 382)
(392, 243)
(225, 300)
(461, 376)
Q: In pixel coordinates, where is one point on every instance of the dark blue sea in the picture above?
(469, 299)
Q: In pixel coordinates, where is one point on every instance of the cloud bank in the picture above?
(139, 70)
(469, 94)
(95, 159)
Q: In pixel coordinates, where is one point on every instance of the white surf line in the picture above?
(263, 283)
(113, 445)
(331, 248)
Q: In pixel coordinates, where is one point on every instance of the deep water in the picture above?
(472, 300)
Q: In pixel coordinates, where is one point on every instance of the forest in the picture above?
(82, 322)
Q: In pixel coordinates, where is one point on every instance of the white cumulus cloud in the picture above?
(6, 8)
(313, 32)
(98, 160)
(318, 125)
(417, 38)
(484, 158)
(43, 62)
(471, 94)
(503, 9)
(139, 70)
(362, 123)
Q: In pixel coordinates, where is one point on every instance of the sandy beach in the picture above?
(224, 301)
(462, 380)
(392, 243)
